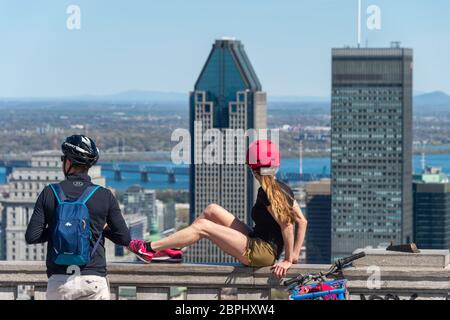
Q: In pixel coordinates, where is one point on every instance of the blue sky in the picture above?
(162, 45)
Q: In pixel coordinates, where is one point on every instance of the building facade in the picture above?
(371, 147)
(318, 213)
(137, 200)
(25, 185)
(431, 192)
(137, 224)
(227, 95)
(166, 217)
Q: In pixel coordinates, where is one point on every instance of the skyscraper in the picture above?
(371, 147)
(227, 95)
(431, 191)
(137, 200)
(318, 213)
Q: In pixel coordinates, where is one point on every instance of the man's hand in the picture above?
(295, 258)
(280, 269)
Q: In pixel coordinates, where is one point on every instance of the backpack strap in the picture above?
(97, 243)
(58, 192)
(88, 193)
(85, 196)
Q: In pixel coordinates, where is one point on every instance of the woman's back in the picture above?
(265, 226)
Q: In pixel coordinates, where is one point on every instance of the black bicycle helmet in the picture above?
(81, 150)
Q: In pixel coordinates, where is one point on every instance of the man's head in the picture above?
(79, 154)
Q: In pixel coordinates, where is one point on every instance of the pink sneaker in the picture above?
(168, 255)
(139, 248)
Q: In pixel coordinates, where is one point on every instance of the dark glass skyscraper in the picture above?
(227, 95)
(371, 147)
(318, 213)
(431, 191)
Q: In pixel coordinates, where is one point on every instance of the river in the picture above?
(310, 165)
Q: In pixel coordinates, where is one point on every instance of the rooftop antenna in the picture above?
(301, 158)
(423, 160)
(359, 23)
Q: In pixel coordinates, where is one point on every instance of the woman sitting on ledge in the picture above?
(274, 214)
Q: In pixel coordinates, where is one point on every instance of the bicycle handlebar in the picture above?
(339, 264)
(345, 261)
(291, 281)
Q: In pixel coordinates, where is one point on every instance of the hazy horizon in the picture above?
(173, 94)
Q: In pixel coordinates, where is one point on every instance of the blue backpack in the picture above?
(71, 234)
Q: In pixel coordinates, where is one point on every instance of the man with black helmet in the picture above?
(80, 281)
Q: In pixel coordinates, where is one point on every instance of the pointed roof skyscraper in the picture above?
(227, 95)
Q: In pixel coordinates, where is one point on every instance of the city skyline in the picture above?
(225, 150)
(129, 49)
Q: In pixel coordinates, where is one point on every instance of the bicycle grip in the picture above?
(345, 261)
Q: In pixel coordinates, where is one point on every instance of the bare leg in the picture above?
(220, 215)
(229, 240)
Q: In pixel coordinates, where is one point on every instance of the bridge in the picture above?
(171, 171)
(145, 171)
(301, 177)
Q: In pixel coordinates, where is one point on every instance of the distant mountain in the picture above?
(297, 99)
(433, 99)
(138, 96)
(142, 95)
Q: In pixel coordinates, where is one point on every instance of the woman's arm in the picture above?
(287, 230)
(302, 224)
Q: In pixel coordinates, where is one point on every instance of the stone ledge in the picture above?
(170, 274)
(427, 266)
(153, 281)
(384, 258)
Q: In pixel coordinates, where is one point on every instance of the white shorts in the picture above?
(77, 287)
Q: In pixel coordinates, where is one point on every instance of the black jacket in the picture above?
(103, 209)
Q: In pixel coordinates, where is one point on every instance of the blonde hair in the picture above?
(278, 198)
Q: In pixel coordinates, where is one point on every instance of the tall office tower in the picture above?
(166, 217)
(2, 232)
(227, 95)
(318, 213)
(136, 200)
(371, 147)
(431, 191)
(25, 185)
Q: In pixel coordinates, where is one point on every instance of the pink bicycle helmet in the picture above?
(263, 153)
